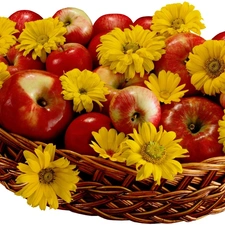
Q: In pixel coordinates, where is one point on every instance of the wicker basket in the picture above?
(109, 189)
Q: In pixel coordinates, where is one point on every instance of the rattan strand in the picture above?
(109, 190)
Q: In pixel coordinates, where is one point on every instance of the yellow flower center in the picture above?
(176, 24)
(82, 91)
(46, 176)
(42, 39)
(164, 94)
(110, 152)
(214, 67)
(132, 47)
(153, 152)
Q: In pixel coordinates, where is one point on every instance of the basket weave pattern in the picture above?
(109, 189)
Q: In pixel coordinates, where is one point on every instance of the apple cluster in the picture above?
(32, 105)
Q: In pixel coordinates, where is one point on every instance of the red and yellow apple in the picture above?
(134, 105)
(117, 81)
(78, 24)
(31, 105)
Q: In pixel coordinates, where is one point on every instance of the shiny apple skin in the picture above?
(22, 110)
(92, 47)
(78, 135)
(204, 114)
(108, 22)
(68, 57)
(144, 21)
(21, 17)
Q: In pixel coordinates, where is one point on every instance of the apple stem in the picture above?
(67, 23)
(194, 128)
(186, 60)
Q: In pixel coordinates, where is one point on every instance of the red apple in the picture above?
(16, 61)
(177, 48)
(92, 46)
(108, 22)
(144, 21)
(219, 36)
(23, 16)
(115, 82)
(195, 121)
(78, 135)
(31, 105)
(134, 105)
(79, 25)
(68, 57)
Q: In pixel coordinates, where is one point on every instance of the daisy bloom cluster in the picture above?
(177, 18)
(4, 74)
(130, 51)
(45, 179)
(84, 88)
(153, 152)
(7, 31)
(40, 37)
(206, 66)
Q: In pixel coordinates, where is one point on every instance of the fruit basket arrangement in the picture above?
(114, 118)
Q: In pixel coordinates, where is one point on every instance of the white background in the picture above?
(14, 209)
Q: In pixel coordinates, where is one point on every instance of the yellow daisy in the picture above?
(177, 18)
(153, 152)
(41, 37)
(4, 74)
(131, 51)
(108, 144)
(221, 131)
(206, 66)
(165, 86)
(84, 88)
(7, 31)
(46, 178)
